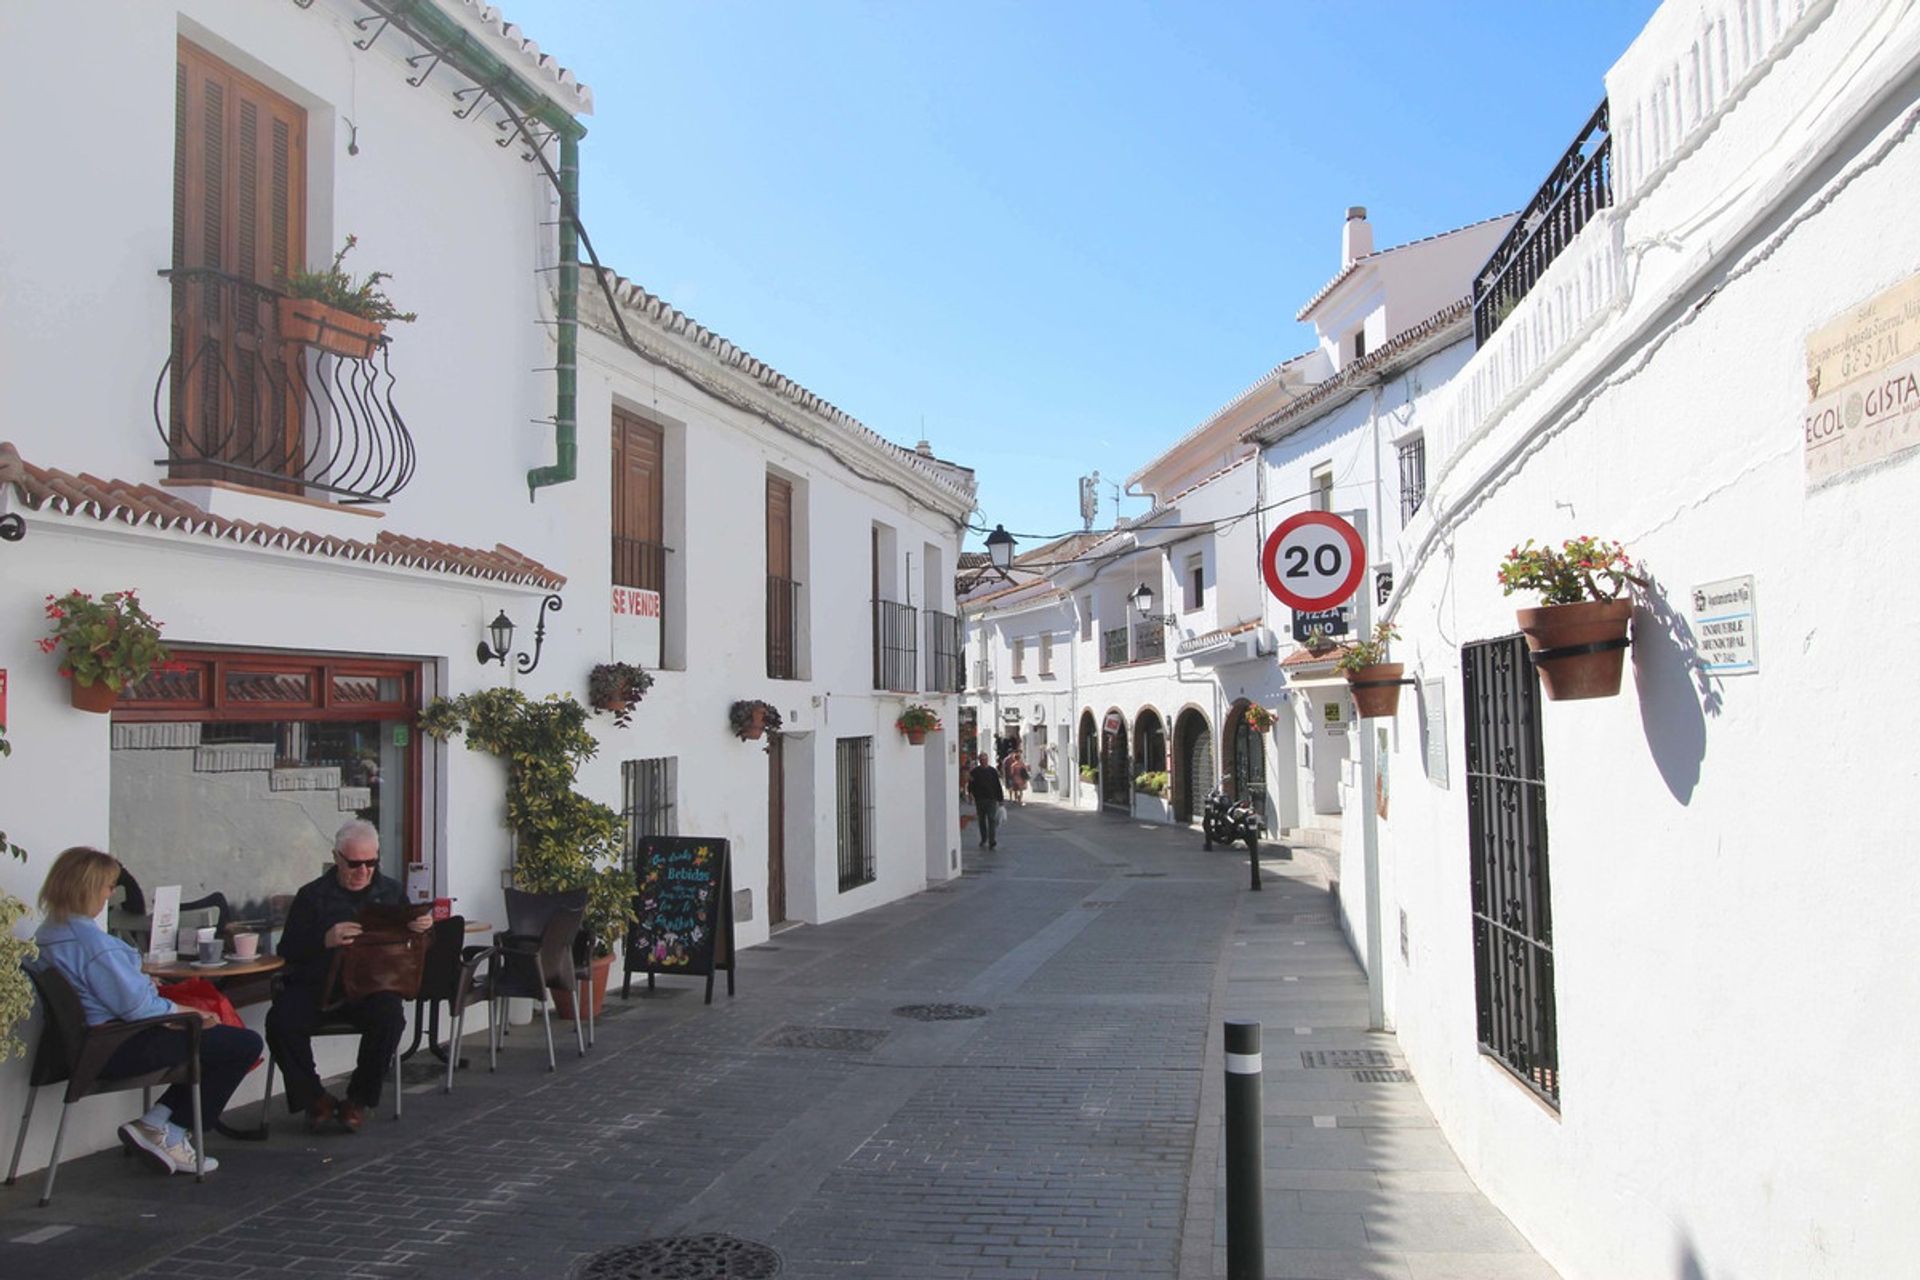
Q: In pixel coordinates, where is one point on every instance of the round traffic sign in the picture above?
(1313, 561)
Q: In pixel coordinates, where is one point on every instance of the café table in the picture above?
(426, 1013)
(232, 971)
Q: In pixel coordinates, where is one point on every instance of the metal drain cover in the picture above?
(853, 1039)
(1145, 875)
(1344, 1058)
(1398, 1075)
(941, 1012)
(705, 1257)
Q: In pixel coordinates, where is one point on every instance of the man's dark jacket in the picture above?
(320, 905)
(984, 784)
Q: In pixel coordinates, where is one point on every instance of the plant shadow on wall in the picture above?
(1676, 694)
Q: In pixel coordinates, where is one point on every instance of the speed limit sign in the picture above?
(1313, 561)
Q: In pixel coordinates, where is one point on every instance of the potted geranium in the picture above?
(328, 309)
(615, 687)
(1259, 719)
(750, 718)
(1577, 637)
(110, 643)
(917, 721)
(1375, 682)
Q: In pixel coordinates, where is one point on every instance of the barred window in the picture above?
(1413, 476)
(647, 790)
(853, 805)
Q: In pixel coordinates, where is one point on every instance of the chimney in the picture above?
(1356, 237)
(924, 448)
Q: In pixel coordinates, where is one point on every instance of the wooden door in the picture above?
(639, 556)
(780, 585)
(239, 210)
(776, 830)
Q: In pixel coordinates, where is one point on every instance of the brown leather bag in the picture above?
(387, 957)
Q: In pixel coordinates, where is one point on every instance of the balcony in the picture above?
(783, 609)
(238, 401)
(945, 670)
(1579, 186)
(895, 649)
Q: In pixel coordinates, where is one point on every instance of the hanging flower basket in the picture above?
(1376, 689)
(1259, 719)
(1580, 649)
(329, 329)
(749, 718)
(917, 721)
(98, 697)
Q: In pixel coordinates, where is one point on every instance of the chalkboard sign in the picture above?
(683, 898)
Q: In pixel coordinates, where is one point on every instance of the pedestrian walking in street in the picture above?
(984, 784)
(1017, 776)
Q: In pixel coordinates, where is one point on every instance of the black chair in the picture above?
(329, 1026)
(440, 980)
(583, 994)
(72, 1051)
(531, 958)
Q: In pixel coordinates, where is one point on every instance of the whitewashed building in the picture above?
(1638, 949)
(327, 539)
(1394, 325)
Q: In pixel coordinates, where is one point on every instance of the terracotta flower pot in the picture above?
(97, 697)
(1376, 689)
(328, 328)
(563, 1001)
(1589, 644)
(916, 736)
(756, 724)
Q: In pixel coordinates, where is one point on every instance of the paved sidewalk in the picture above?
(1071, 1128)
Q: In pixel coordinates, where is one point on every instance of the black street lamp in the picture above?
(501, 631)
(1000, 549)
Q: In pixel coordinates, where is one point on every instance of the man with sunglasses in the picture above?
(321, 919)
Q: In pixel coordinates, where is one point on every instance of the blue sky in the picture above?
(1049, 237)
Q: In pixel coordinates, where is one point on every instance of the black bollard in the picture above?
(1246, 1226)
(1253, 861)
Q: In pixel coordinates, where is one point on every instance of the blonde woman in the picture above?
(105, 973)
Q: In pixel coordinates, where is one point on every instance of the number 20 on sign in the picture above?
(1313, 561)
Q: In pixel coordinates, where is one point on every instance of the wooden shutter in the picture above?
(239, 208)
(779, 528)
(638, 489)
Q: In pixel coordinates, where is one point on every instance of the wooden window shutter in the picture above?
(779, 528)
(239, 172)
(639, 559)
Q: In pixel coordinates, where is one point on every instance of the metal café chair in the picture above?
(533, 957)
(76, 1053)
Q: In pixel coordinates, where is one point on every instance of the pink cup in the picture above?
(246, 946)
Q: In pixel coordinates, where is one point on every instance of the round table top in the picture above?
(178, 969)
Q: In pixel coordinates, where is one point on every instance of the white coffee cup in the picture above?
(246, 945)
(208, 934)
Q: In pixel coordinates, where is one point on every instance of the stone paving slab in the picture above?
(1073, 1130)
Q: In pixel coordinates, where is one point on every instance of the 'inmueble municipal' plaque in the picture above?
(1726, 626)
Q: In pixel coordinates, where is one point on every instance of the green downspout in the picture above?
(567, 316)
(480, 65)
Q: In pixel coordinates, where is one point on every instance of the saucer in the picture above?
(216, 964)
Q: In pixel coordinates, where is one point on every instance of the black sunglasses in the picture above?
(357, 864)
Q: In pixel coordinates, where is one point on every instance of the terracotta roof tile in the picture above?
(44, 489)
(1307, 658)
(1455, 315)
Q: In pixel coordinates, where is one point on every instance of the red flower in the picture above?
(49, 645)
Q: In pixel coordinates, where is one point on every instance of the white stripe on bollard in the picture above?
(1243, 1064)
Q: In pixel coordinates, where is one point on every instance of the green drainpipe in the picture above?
(566, 446)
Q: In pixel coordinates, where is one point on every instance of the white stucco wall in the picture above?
(1730, 857)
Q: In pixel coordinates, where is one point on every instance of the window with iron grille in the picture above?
(853, 809)
(1413, 476)
(647, 798)
(1507, 835)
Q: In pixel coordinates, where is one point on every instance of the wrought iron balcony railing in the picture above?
(945, 671)
(895, 646)
(1149, 641)
(641, 564)
(783, 610)
(1580, 185)
(238, 400)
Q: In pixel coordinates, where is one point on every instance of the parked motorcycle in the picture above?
(1230, 821)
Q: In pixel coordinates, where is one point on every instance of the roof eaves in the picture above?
(1277, 373)
(1408, 342)
(516, 49)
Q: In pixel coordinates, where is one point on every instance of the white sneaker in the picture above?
(181, 1157)
(143, 1139)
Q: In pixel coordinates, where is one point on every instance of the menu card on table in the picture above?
(161, 943)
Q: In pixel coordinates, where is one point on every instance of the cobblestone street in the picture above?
(1070, 1128)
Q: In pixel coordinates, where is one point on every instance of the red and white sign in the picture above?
(3, 697)
(635, 602)
(1313, 561)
